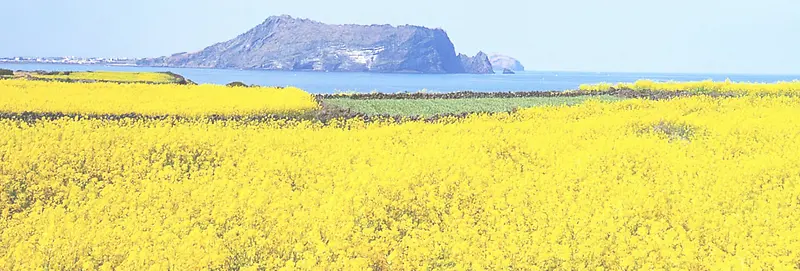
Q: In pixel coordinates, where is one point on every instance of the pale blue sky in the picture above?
(716, 36)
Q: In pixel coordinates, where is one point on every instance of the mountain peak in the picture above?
(288, 43)
(476, 64)
(278, 19)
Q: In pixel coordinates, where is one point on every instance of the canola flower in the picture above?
(155, 77)
(691, 184)
(147, 99)
(727, 86)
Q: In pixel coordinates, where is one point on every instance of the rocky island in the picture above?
(287, 43)
(501, 62)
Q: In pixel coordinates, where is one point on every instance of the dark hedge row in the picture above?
(623, 93)
(324, 116)
(42, 72)
(458, 95)
(33, 117)
(663, 95)
(237, 84)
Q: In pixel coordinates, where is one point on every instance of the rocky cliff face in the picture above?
(477, 64)
(286, 43)
(500, 62)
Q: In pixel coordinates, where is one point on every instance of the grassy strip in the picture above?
(66, 80)
(111, 77)
(108, 76)
(430, 107)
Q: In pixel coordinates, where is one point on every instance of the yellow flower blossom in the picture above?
(707, 86)
(155, 77)
(176, 100)
(693, 183)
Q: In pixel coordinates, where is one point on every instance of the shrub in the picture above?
(674, 131)
(4, 72)
(179, 79)
(236, 84)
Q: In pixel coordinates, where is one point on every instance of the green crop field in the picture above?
(429, 107)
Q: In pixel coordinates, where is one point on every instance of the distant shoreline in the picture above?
(496, 72)
(70, 63)
(362, 82)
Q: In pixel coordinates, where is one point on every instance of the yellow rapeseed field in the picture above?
(687, 184)
(156, 77)
(146, 99)
(781, 88)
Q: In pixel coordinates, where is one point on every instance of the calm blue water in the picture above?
(327, 82)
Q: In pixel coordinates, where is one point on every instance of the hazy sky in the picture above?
(718, 36)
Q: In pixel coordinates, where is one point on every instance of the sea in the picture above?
(349, 82)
